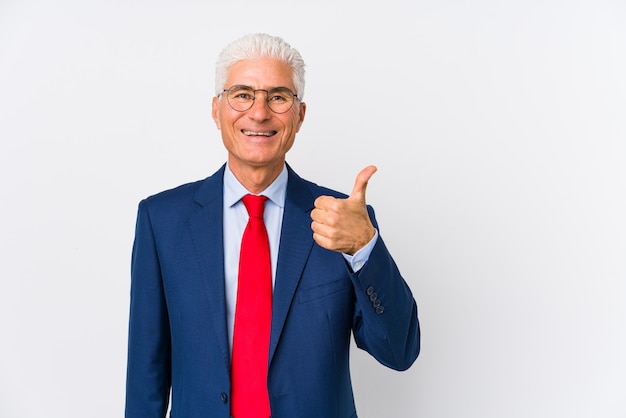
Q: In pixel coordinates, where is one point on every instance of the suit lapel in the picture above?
(295, 245)
(206, 229)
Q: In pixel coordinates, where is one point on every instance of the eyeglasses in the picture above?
(241, 98)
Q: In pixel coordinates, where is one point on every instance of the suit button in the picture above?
(380, 309)
(373, 297)
(224, 397)
(369, 290)
(376, 303)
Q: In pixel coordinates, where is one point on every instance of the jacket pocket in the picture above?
(324, 290)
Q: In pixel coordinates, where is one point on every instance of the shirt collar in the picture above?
(234, 191)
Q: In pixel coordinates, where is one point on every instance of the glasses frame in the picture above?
(267, 96)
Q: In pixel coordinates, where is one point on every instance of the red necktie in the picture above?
(253, 317)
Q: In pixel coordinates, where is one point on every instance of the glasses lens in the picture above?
(280, 99)
(240, 98)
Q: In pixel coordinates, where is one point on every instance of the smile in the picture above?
(253, 133)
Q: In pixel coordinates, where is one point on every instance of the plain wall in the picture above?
(499, 131)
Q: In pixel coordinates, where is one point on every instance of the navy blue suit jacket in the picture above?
(178, 334)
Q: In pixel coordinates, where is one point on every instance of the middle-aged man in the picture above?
(246, 285)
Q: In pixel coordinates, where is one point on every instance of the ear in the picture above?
(215, 111)
(301, 113)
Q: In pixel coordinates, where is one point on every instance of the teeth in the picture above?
(252, 133)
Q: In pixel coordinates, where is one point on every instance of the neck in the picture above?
(255, 179)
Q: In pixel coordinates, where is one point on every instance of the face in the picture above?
(258, 138)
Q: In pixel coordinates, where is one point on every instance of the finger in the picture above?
(324, 202)
(317, 215)
(321, 229)
(328, 204)
(360, 184)
(321, 240)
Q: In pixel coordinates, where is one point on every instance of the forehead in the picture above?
(260, 73)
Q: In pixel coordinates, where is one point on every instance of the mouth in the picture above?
(260, 133)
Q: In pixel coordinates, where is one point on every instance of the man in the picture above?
(320, 270)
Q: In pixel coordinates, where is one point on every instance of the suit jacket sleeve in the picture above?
(385, 322)
(149, 370)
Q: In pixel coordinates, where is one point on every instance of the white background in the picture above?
(499, 131)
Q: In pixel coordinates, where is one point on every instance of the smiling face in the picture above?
(258, 139)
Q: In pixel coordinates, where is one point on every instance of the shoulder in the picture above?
(186, 196)
(318, 190)
(313, 188)
(176, 194)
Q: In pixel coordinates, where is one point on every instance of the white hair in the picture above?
(255, 46)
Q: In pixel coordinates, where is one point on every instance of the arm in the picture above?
(149, 362)
(385, 318)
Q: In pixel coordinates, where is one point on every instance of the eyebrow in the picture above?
(268, 89)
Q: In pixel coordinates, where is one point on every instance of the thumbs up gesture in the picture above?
(344, 225)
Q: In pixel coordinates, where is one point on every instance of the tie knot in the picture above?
(254, 205)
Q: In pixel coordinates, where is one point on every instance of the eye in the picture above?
(280, 95)
(241, 93)
(278, 98)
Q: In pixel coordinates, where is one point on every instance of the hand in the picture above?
(344, 225)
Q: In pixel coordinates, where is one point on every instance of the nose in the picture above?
(260, 109)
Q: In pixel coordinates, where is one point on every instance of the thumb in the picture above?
(360, 184)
